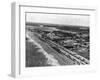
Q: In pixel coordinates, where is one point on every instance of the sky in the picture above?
(79, 20)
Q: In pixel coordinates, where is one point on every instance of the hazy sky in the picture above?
(58, 19)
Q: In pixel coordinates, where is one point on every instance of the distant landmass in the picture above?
(82, 29)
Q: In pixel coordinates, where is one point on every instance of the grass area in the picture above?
(84, 54)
